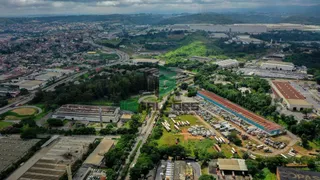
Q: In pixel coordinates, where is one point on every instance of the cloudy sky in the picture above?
(36, 7)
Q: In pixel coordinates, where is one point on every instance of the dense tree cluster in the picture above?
(288, 36)
(55, 122)
(113, 87)
(257, 101)
(116, 157)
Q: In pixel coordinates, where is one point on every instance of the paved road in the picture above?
(143, 136)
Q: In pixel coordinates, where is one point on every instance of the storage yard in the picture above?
(251, 118)
(12, 149)
(254, 140)
(192, 132)
(88, 113)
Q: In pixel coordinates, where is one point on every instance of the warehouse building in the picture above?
(226, 64)
(293, 99)
(248, 116)
(30, 85)
(284, 173)
(145, 61)
(277, 65)
(52, 164)
(88, 113)
(96, 157)
(229, 169)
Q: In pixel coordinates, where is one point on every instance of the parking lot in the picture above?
(255, 141)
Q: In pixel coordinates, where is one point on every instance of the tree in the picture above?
(306, 112)
(206, 177)
(24, 91)
(55, 122)
(28, 133)
(184, 86)
(235, 139)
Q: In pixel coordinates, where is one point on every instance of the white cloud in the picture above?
(15, 7)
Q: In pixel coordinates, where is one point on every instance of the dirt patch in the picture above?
(12, 118)
(25, 111)
(187, 136)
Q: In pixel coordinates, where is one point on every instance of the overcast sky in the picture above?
(36, 7)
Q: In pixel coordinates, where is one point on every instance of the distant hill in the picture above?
(161, 19)
(302, 20)
(210, 18)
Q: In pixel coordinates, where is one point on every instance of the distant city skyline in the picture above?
(69, 7)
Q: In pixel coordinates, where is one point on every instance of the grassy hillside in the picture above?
(196, 48)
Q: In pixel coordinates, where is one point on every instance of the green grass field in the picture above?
(4, 124)
(170, 138)
(196, 48)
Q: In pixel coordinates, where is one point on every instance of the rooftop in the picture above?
(287, 90)
(232, 164)
(96, 157)
(226, 62)
(87, 109)
(278, 62)
(30, 83)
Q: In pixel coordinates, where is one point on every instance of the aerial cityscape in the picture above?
(159, 90)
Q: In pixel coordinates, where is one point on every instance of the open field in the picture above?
(25, 111)
(4, 124)
(19, 113)
(189, 141)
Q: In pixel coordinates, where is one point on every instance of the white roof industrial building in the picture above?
(229, 63)
(277, 65)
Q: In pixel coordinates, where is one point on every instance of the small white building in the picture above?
(277, 65)
(229, 63)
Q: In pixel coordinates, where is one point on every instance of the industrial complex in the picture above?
(249, 117)
(77, 112)
(277, 65)
(293, 99)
